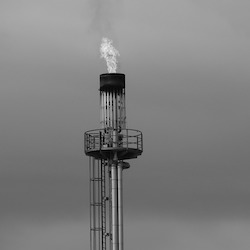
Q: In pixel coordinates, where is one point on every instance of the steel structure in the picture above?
(107, 149)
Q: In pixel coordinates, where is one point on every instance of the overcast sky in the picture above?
(187, 89)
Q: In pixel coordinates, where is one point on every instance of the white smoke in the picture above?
(109, 53)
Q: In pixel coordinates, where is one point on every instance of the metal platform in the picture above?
(99, 144)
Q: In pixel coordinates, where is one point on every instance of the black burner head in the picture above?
(112, 81)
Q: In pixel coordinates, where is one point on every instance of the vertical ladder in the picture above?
(98, 204)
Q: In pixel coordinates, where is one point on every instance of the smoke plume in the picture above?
(109, 53)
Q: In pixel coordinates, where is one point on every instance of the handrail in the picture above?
(97, 139)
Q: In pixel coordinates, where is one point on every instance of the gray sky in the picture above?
(187, 69)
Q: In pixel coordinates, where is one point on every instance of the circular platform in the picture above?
(98, 145)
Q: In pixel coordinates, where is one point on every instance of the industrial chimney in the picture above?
(108, 147)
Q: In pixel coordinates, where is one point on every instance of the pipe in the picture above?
(107, 102)
(104, 109)
(114, 116)
(116, 108)
(120, 205)
(93, 204)
(115, 238)
(110, 109)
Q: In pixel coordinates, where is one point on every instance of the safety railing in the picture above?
(99, 139)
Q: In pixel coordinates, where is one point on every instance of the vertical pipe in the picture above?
(108, 109)
(104, 109)
(124, 109)
(101, 106)
(98, 205)
(115, 108)
(115, 111)
(93, 204)
(107, 106)
(115, 238)
(110, 206)
(111, 109)
(120, 110)
(120, 205)
(90, 200)
(102, 229)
